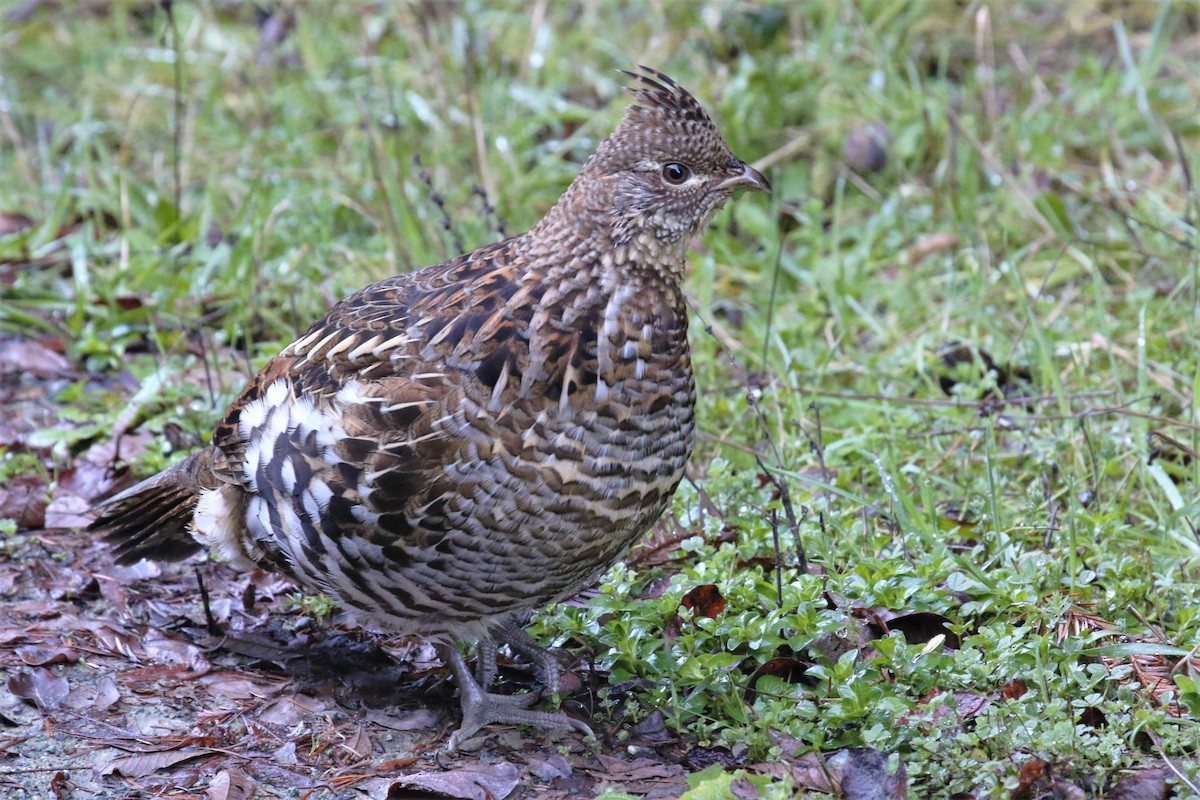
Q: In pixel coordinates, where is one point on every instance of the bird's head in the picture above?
(665, 170)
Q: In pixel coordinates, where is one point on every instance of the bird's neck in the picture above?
(582, 230)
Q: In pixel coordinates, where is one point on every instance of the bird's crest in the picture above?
(653, 91)
(664, 123)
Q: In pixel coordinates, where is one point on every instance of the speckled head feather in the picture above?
(658, 94)
(662, 173)
(664, 123)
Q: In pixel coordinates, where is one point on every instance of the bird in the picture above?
(451, 448)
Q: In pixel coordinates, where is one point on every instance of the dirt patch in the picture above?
(115, 687)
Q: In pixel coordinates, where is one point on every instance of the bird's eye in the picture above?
(676, 173)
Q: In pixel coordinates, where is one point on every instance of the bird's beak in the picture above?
(748, 178)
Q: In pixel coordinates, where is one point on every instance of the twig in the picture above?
(778, 559)
(785, 499)
(210, 622)
(817, 443)
(802, 141)
(1170, 764)
(1048, 481)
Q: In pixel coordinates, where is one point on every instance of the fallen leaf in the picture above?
(60, 786)
(143, 764)
(705, 600)
(1142, 784)
(809, 771)
(12, 222)
(744, 789)
(43, 687)
(699, 758)
(865, 775)
(1014, 689)
(918, 627)
(639, 769)
(27, 357)
(237, 686)
(286, 754)
(289, 710)
(166, 650)
(1035, 774)
(480, 782)
(38, 655)
(417, 720)
(67, 511)
(109, 640)
(554, 766)
(93, 698)
(231, 784)
(141, 571)
(23, 499)
(653, 728)
(106, 694)
(359, 744)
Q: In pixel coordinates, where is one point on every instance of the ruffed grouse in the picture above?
(449, 448)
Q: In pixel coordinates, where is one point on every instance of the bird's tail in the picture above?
(153, 519)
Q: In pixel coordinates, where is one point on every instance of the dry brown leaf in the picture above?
(39, 655)
(1142, 784)
(289, 710)
(808, 771)
(865, 775)
(705, 600)
(41, 686)
(416, 720)
(166, 650)
(12, 222)
(480, 782)
(639, 769)
(359, 744)
(917, 627)
(23, 499)
(27, 357)
(143, 764)
(549, 768)
(106, 694)
(121, 642)
(67, 511)
(231, 784)
(237, 686)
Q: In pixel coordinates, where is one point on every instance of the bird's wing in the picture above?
(408, 342)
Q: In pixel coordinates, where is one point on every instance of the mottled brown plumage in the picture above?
(449, 448)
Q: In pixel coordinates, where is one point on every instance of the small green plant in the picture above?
(318, 606)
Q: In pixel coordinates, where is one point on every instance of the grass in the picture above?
(975, 369)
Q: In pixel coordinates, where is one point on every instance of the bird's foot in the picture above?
(481, 707)
(545, 663)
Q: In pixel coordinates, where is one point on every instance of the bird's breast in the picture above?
(610, 394)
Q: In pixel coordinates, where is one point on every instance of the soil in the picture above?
(115, 686)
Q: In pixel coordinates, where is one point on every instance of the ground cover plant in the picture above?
(940, 532)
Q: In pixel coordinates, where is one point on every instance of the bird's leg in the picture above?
(481, 707)
(485, 662)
